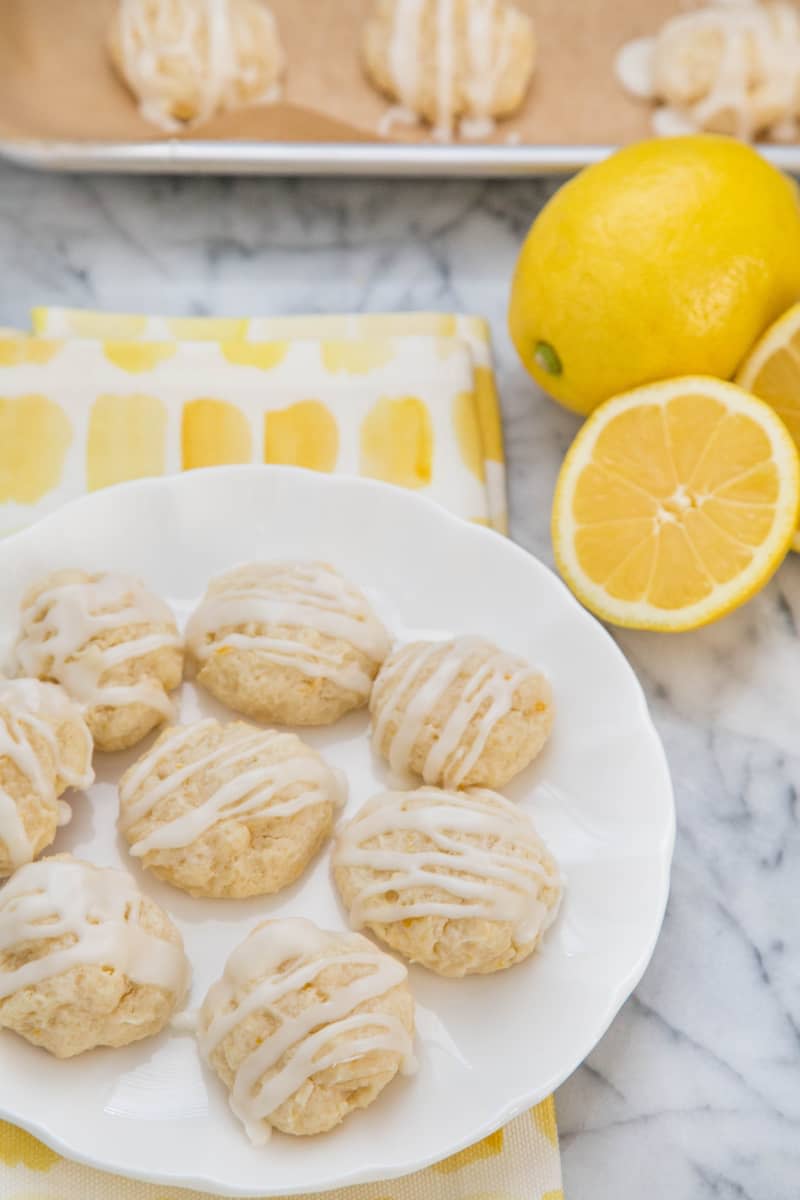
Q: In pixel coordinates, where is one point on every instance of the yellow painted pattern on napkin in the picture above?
(18, 1147)
(341, 355)
(518, 1162)
(35, 434)
(304, 434)
(104, 411)
(397, 442)
(125, 439)
(214, 433)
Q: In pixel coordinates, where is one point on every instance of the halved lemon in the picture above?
(675, 504)
(771, 371)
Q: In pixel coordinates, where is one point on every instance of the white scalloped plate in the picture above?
(600, 795)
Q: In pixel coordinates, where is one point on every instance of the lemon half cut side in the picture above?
(675, 504)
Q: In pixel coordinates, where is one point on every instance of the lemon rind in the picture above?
(774, 339)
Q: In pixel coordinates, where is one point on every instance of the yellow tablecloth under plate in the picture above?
(95, 398)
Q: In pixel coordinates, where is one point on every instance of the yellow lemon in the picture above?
(772, 372)
(668, 258)
(675, 504)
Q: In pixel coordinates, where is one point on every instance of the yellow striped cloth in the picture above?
(409, 398)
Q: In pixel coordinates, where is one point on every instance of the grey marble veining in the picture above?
(694, 1093)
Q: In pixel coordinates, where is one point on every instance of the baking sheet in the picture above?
(56, 81)
(61, 104)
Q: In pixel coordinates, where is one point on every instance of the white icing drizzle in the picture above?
(480, 49)
(475, 129)
(487, 58)
(185, 1022)
(97, 907)
(445, 70)
(284, 956)
(495, 885)
(404, 51)
(755, 38)
(396, 115)
(634, 67)
(28, 707)
(192, 36)
(487, 695)
(255, 790)
(297, 596)
(221, 66)
(57, 632)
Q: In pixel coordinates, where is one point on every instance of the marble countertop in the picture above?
(695, 1090)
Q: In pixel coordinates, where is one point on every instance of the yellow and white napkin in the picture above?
(520, 1162)
(407, 398)
(94, 398)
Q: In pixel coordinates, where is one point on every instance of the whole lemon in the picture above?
(668, 258)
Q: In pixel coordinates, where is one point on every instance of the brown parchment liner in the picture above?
(56, 81)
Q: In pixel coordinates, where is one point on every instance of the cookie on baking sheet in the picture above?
(186, 60)
(450, 62)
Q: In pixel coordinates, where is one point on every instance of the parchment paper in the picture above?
(56, 81)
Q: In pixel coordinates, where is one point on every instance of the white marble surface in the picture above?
(694, 1093)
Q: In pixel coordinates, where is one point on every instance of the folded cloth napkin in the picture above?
(519, 1162)
(388, 343)
(96, 398)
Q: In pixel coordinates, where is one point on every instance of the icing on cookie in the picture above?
(284, 957)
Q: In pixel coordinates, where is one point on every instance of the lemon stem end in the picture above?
(547, 358)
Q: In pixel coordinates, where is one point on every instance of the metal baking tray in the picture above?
(346, 159)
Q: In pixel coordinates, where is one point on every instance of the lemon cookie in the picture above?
(293, 643)
(460, 713)
(186, 60)
(457, 881)
(228, 810)
(306, 1026)
(111, 644)
(450, 62)
(725, 68)
(45, 748)
(85, 959)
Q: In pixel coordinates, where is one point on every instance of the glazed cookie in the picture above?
(292, 643)
(460, 713)
(726, 68)
(85, 959)
(186, 60)
(111, 644)
(45, 748)
(228, 810)
(449, 61)
(457, 881)
(306, 1026)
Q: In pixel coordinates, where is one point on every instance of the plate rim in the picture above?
(372, 1172)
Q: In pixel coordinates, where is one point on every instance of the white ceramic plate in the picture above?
(600, 796)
